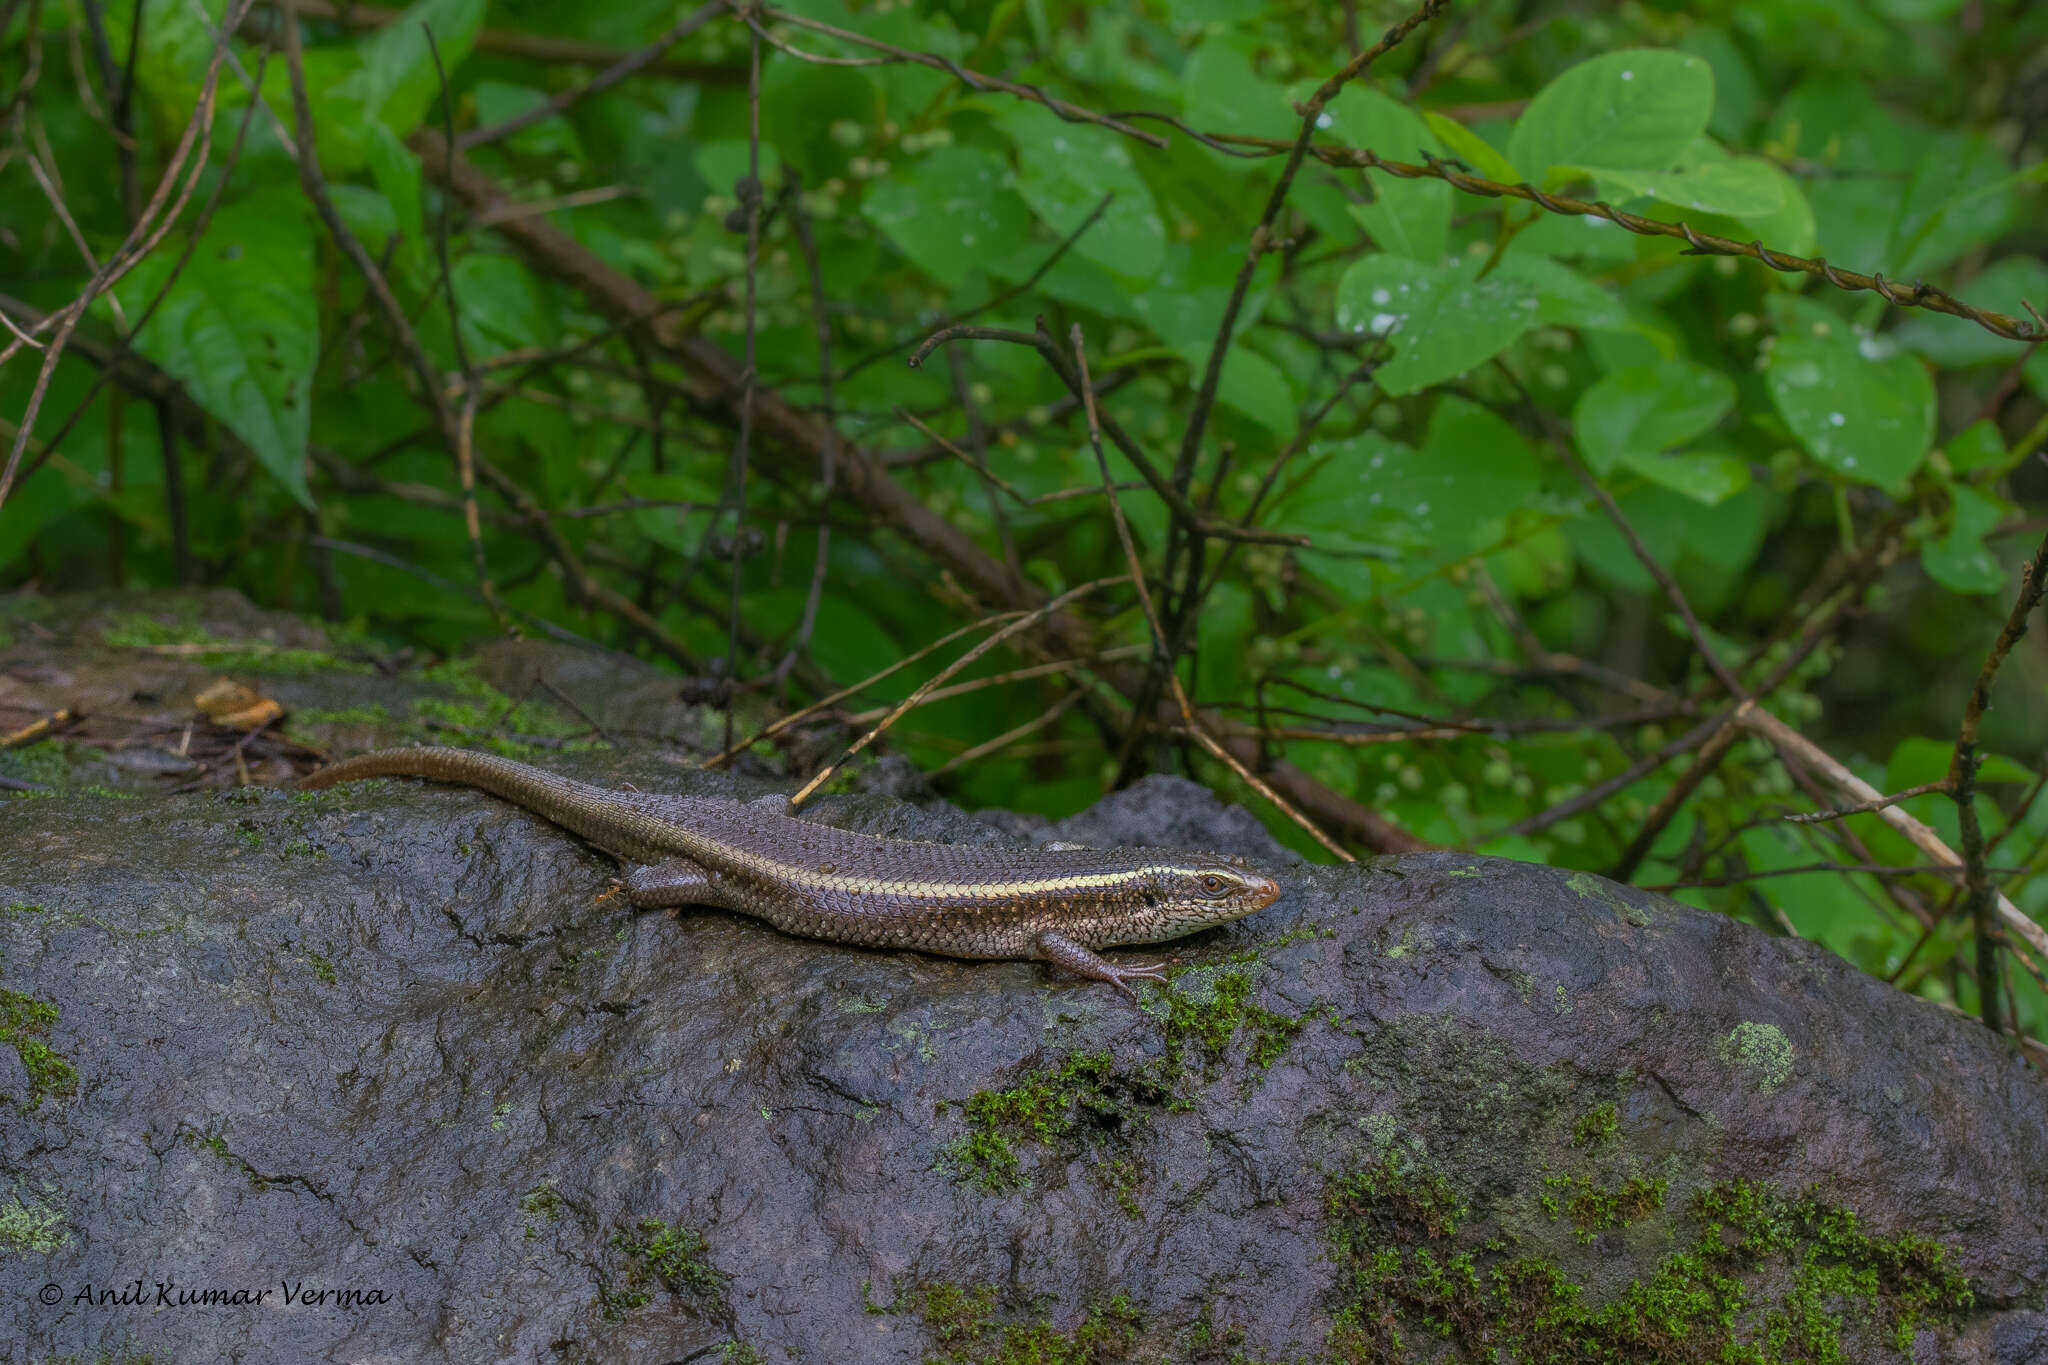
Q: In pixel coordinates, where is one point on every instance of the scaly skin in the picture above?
(1051, 904)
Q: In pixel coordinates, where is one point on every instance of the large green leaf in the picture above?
(1644, 409)
(1406, 217)
(1703, 476)
(1638, 109)
(1255, 386)
(502, 306)
(240, 328)
(1064, 170)
(1369, 493)
(1959, 561)
(1443, 319)
(953, 212)
(1705, 180)
(397, 81)
(1565, 297)
(1864, 410)
(1221, 91)
(1471, 148)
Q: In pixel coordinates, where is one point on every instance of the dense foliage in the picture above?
(1452, 410)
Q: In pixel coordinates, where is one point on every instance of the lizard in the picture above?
(1055, 903)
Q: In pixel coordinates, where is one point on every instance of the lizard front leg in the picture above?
(1055, 947)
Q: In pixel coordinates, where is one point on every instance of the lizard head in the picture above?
(1202, 890)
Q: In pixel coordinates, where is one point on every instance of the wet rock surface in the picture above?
(397, 1046)
(396, 1040)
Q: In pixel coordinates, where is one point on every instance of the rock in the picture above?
(396, 1043)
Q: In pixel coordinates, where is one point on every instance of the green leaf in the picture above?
(1959, 561)
(1699, 475)
(1064, 170)
(1407, 217)
(1863, 410)
(502, 306)
(1706, 180)
(1565, 297)
(397, 81)
(723, 163)
(1637, 109)
(240, 329)
(1957, 341)
(1370, 492)
(1443, 319)
(1979, 445)
(1185, 303)
(1470, 148)
(498, 102)
(952, 212)
(1644, 409)
(1254, 386)
(176, 46)
(1917, 760)
(1220, 91)
(1789, 227)
(397, 173)
(1224, 633)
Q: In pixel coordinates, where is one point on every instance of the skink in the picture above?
(1055, 904)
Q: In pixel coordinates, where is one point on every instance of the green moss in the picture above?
(25, 1026)
(505, 728)
(739, 1353)
(322, 966)
(659, 1252)
(1082, 1097)
(24, 908)
(44, 761)
(460, 677)
(495, 721)
(1207, 1007)
(967, 1328)
(1596, 1127)
(134, 630)
(1594, 1207)
(1602, 890)
(28, 1224)
(370, 714)
(1087, 1105)
(542, 1205)
(1758, 1278)
(1300, 933)
(1762, 1050)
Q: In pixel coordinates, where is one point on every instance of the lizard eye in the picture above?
(1213, 885)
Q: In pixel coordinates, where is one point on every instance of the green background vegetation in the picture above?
(1840, 487)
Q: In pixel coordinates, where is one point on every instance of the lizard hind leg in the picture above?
(1062, 951)
(665, 885)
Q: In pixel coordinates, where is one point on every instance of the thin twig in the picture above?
(974, 80)
(1963, 774)
(1022, 623)
(1917, 295)
(828, 451)
(827, 702)
(1011, 736)
(1137, 576)
(465, 440)
(598, 84)
(1810, 755)
(1866, 807)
